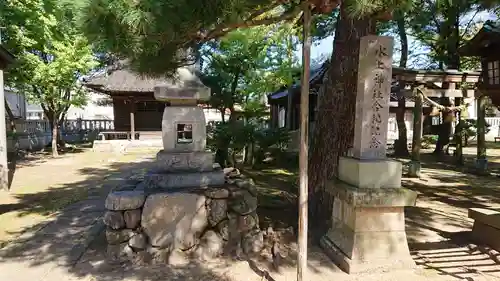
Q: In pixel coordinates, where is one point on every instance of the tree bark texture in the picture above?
(334, 127)
(401, 145)
(54, 129)
(451, 38)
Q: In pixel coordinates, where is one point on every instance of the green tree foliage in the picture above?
(52, 55)
(158, 34)
(443, 26)
(241, 68)
(151, 33)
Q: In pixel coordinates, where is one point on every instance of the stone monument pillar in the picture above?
(368, 225)
(184, 160)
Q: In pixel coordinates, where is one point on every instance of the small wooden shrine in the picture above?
(135, 108)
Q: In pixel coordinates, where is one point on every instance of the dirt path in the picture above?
(42, 186)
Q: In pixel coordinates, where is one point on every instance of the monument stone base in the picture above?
(368, 226)
(370, 173)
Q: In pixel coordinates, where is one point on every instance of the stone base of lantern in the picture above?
(368, 228)
(184, 180)
(196, 161)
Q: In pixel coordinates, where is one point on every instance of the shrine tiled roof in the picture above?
(487, 36)
(120, 79)
(492, 26)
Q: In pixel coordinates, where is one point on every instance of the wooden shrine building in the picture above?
(134, 105)
(485, 45)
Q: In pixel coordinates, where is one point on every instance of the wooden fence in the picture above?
(43, 126)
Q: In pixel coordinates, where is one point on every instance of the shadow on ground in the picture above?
(23, 158)
(58, 250)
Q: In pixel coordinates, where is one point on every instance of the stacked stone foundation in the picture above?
(152, 224)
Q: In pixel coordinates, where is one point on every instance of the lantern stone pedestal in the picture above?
(368, 225)
(186, 207)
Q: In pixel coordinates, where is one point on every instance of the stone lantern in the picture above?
(184, 160)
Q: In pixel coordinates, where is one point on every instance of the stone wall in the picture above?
(147, 225)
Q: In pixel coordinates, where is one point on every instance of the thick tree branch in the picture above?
(251, 21)
(468, 25)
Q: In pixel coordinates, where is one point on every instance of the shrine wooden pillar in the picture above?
(481, 161)
(132, 117)
(289, 111)
(415, 165)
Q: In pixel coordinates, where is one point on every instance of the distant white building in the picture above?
(96, 109)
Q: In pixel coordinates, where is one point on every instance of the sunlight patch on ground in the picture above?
(279, 172)
(40, 190)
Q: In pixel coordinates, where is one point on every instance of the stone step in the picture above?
(486, 216)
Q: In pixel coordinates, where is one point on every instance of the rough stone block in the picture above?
(183, 180)
(223, 229)
(174, 219)
(211, 245)
(217, 211)
(253, 242)
(138, 241)
(115, 237)
(114, 219)
(243, 202)
(370, 173)
(125, 200)
(132, 218)
(217, 193)
(119, 251)
(197, 161)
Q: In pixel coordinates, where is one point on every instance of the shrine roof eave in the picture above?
(488, 35)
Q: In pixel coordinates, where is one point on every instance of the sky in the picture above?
(323, 49)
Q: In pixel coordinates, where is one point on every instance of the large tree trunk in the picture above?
(401, 145)
(450, 35)
(60, 124)
(53, 127)
(334, 128)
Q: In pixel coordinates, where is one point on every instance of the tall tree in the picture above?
(442, 26)
(152, 32)
(242, 67)
(402, 148)
(52, 55)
